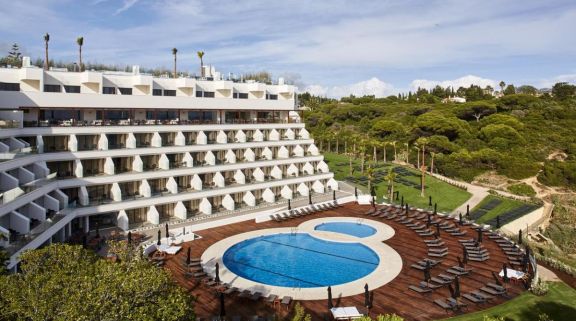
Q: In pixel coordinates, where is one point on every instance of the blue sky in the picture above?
(331, 47)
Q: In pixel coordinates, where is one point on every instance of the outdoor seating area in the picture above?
(439, 278)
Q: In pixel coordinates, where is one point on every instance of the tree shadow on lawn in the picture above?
(556, 311)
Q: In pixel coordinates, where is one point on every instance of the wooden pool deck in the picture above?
(394, 297)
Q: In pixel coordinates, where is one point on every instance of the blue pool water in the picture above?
(299, 260)
(350, 228)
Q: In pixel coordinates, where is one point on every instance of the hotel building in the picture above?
(126, 149)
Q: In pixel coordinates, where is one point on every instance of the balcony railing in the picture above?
(147, 122)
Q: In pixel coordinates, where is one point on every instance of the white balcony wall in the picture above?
(303, 189)
(205, 206)
(137, 164)
(7, 182)
(313, 150)
(109, 166)
(267, 153)
(163, 162)
(188, 160)
(209, 158)
(286, 192)
(156, 140)
(103, 142)
(172, 186)
(180, 139)
(131, 141)
(230, 157)
(180, 211)
(25, 176)
(308, 168)
(51, 203)
(152, 216)
(268, 196)
(258, 136)
(218, 180)
(304, 134)
(258, 175)
(78, 168)
(298, 151)
(228, 202)
(274, 135)
(4, 148)
(322, 167)
(332, 184)
(249, 155)
(19, 223)
(40, 169)
(239, 177)
(249, 199)
(276, 172)
(201, 138)
(35, 211)
(240, 136)
(72, 143)
(39, 144)
(196, 182)
(318, 187)
(221, 138)
(83, 197)
(289, 134)
(283, 152)
(115, 192)
(122, 220)
(61, 197)
(292, 170)
(144, 190)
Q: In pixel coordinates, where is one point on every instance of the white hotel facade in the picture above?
(79, 149)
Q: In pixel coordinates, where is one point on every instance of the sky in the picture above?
(328, 47)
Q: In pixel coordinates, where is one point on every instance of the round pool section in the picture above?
(350, 228)
(299, 260)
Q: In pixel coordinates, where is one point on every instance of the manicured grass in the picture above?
(559, 304)
(506, 205)
(447, 196)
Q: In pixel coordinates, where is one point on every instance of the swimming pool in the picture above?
(350, 228)
(299, 260)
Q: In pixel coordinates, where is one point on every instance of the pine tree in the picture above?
(15, 56)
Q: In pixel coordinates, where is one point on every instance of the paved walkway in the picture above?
(546, 274)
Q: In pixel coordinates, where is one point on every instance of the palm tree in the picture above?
(375, 145)
(46, 62)
(390, 178)
(423, 142)
(432, 162)
(393, 143)
(174, 53)
(383, 145)
(80, 42)
(417, 153)
(201, 56)
(370, 174)
(502, 85)
(407, 153)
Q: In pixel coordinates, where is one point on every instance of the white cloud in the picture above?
(548, 83)
(127, 5)
(465, 81)
(372, 86)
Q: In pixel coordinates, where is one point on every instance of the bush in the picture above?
(522, 189)
(539, 287)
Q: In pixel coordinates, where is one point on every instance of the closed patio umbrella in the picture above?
(397, 194)
(167, 234)
(84, 241)
(188, 257)
(159, 237)
(217, 272)
(460, 222)
(456, 287)
(330, 305)
(334, 195)
(309, 198)
(222, 313)
(407, 207)
(460, 263)
(438, 229)
(366, 296)
(129, 238)
(429, 200)
(505, 270)
(479, 240)
(97, 230)
(496, 278)
(498, 221)
(429, 220)
(451, 289)
(289, 205)
(427, 276)
(435, 208)
(355, 191)
(465, 260)
(520, 237)
(402, 203)
(468, 211)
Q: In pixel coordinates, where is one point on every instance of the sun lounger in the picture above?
(458, 268)
(419, 289)
(245, 294)
(429, 285)
(442, 303)
(427, 233)
(286, 301)
(438, 244)
(440, 250)
(230, 290)
(479, 258)
(492, 291)
(418, 267)
(433, 241)
(438, 254)
(271, 298)
(199, 274)
(457, 272)
(481, 295)
(457, 304)
(446, 277)
(255, 296)
(473, 298)
(461, 233)
(440, 281)
(496, 286)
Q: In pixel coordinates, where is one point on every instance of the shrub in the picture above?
(522, 189)
(539, 287)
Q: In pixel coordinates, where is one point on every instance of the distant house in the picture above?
(454, 100)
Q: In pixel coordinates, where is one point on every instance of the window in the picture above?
(109, 90)
(72, 89)
(52, 88)
(271, 97)
(125, 91)
(156, 92)
(199, 93)
(169, 92)
(241, 95)
(208, 94)
(8, 86)
(117, 114)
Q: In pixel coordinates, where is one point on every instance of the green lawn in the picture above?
(447, 196)
(559, 304)
(506, 205)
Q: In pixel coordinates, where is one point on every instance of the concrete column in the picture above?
(164, 162)
(103, 142)
(153, 216)
(180, 211)
(249, 199)
(249, 155)
(144, 190)
(156, 140)
(39, 144)
(131, 141)
(137, 164)
(122, 220)
(228, 202)
(286, 192)
(283, 152)
(230, 157)
(268, 196)
(205, 206)
(201, 138)
(221, 138)
(240, 136)
(172, 186)
(116, 192)
(180, 139)
(72, 143)
(78, 168)
(109, 166)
